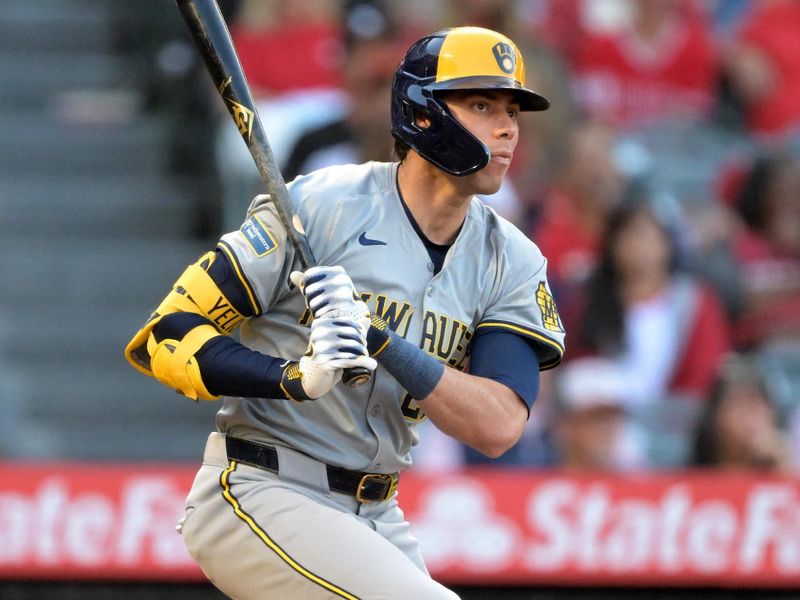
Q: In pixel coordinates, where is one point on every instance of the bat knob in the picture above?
(356, 376)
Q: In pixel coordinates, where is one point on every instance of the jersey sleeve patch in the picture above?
(550, 318)
(259, 238)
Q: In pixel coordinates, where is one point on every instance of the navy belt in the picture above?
(366, 487)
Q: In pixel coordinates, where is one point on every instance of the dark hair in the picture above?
(401, 149)
(602, 326)
(735, 370)
(752, 203)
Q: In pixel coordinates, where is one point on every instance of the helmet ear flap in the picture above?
(452, 147)
(444, 142)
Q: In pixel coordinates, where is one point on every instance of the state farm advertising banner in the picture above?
(683, 530)
(99, 521)
(82, 521)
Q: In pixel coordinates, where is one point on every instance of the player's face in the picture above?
(491, 116)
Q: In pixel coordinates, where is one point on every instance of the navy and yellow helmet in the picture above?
(461, 58)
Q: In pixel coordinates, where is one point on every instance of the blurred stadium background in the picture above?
(117, 168)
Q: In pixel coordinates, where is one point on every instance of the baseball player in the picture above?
(297, 494)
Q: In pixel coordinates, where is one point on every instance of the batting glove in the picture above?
(329, 290)
(336, 343)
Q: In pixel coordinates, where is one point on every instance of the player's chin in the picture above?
(488, 190)
(488, 182)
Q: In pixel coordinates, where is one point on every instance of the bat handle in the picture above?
(355, 376)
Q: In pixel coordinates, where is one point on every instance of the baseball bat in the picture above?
(210, 33)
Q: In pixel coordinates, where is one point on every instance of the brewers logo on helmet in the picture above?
(461, 58)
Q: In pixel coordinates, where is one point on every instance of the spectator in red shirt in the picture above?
(666, 329)
(767, 250)
(660, 64)
(575, 209)
(288, 46)
(764, 67)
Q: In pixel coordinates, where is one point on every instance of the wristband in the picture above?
(415, 370)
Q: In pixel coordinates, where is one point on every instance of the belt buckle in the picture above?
(388, 480)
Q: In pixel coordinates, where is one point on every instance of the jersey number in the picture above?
(411, 410)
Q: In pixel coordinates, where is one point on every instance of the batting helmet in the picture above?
(461, 58)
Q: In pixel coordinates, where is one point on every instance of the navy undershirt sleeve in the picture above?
(231, 369)
(509, 359)
(227, 367)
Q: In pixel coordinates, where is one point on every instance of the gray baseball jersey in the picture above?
(493, 277)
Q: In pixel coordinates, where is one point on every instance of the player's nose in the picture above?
(506, 127)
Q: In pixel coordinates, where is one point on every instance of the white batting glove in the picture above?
(325, 289)
(336, 343)
(329, 290)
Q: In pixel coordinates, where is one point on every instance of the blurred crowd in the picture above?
(663, 186)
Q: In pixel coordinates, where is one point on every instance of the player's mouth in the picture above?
(502, 157)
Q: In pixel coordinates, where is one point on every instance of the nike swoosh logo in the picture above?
(365, 241)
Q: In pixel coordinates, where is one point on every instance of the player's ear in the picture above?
(422, 121)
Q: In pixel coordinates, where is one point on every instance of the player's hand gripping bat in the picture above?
(209, 32)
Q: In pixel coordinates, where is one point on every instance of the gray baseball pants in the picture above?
(261, 535)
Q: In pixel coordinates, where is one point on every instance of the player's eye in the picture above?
(481, 106)
(513, 113)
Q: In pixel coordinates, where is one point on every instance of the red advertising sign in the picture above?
(685, 530)
(522, 527)
(93, 521)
